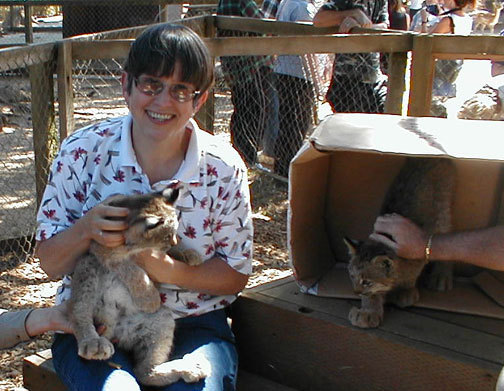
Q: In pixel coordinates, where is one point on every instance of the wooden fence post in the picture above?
(422, 74)
(65, 89)
(43, 119)
(396, 82)
(206, 114)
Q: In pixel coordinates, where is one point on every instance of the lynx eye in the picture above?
(152, 222)
(366, 283)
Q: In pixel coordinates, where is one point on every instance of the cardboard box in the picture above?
(340, 176)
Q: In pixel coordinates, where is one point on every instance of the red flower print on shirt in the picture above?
(119, 176)
(212, 171)
(221, 244)
(59, 166)
(191, 305)
(221, 191)
(50, 214)
(203, 203)
(97, 159)
(163, 297)
(208, 222)
(77, 153)
(210, 249)
(224, 302)
(238, 194)
(79, 196)
(190, 232)
(218, 226)
(43, 235)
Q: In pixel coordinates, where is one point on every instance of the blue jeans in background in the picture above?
(208, 334)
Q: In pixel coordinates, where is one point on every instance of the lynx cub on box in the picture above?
(109, 288)
(422, 192)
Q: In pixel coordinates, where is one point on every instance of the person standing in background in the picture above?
(357, 84)
(295, 90)
(250, 79)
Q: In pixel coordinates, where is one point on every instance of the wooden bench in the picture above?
(39, 375)
(307, 342)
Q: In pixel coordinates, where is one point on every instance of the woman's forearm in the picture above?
(59, 254)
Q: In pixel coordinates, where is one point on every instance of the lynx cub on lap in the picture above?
(109, 288)
(422, 192)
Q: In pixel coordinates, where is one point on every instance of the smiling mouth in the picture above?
(160, 117)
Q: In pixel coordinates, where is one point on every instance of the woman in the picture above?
(166, 80)
(453, 20)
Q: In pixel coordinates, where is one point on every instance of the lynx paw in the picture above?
(191, 368)
(192, 257)
(96, 349)
(197, 367)
(406, 298)
(364, 318)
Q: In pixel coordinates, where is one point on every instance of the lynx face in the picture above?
(372, 267)
(152, 219)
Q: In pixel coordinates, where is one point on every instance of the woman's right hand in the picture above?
(105, 224)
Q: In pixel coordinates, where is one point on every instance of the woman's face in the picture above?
(160, 116)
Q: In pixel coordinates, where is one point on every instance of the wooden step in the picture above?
(39, 375)
(308, 343)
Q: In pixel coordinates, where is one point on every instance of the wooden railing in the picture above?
(45, 60)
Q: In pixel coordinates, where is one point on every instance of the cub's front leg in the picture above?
(370, 314)
(84, 299)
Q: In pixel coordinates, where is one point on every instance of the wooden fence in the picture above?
(46, 60)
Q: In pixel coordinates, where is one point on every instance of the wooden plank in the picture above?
(314, 351)
(28, 24)
(422, 75)
(65, 90)
(396, 82)
(234, 46)
(485, 325)
(459, 45)
(39, 375)
(43, 120)
(25, 56)
(270, 26)
(465, 343)
(248, 381)
(93, 50)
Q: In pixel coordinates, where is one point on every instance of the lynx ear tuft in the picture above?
(170, 195)
(352, 245)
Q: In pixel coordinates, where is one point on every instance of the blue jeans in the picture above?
(208, 334)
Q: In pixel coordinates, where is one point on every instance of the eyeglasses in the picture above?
(152, 87)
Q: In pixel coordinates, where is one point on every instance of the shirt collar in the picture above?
(127, 155)
(189, 169)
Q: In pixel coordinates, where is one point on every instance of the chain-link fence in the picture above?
(265, 102)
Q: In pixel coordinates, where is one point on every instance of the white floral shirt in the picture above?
(213, 207)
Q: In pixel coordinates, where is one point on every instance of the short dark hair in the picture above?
(466, 3)
(158, 48)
